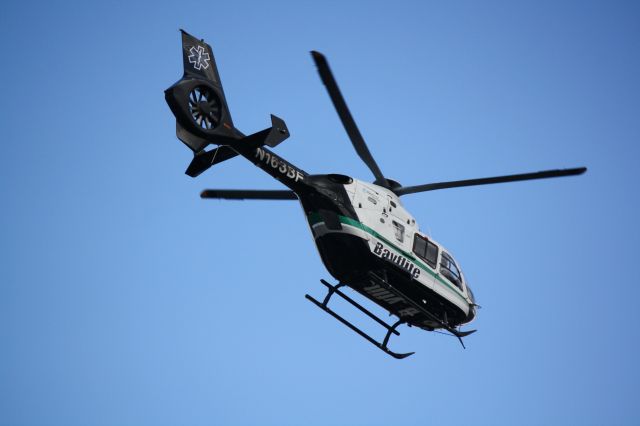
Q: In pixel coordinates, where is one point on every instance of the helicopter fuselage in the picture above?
(365, 237)
(361, 227)
(368, 229)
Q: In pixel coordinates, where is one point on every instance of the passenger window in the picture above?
(426, 250)
(419, 246)
(432, 253)
(450, 270)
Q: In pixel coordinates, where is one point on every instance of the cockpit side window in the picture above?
(450, 270)
(426, 250)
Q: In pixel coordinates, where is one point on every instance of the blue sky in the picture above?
(125, 299)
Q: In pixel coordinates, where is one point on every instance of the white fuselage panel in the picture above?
(389, 231)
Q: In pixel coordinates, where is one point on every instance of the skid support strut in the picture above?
(391, 329)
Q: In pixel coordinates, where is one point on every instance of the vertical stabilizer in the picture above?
(198, 101)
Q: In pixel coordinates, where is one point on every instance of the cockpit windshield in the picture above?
(450, 270)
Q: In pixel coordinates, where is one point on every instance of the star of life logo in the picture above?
(199, 58)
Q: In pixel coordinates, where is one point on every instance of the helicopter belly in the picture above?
(352, 249)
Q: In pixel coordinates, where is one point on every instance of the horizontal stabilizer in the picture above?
(280, 134)
(205, 159)
(271, 136)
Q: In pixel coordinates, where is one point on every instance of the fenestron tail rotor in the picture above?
(205, 108)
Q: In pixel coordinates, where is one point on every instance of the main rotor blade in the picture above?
(248, 194)
(486, 181)
(346, 118)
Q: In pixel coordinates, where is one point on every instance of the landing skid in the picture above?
(391, 329)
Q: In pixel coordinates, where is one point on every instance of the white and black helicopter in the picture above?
(365, 237)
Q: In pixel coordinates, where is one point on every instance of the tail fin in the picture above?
(202, 115)
(197, 100)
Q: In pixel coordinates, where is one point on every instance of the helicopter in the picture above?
(365, 237)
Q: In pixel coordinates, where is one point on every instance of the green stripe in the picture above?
(315, 218)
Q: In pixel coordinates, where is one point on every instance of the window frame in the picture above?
(459, 284)
(433, 265)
